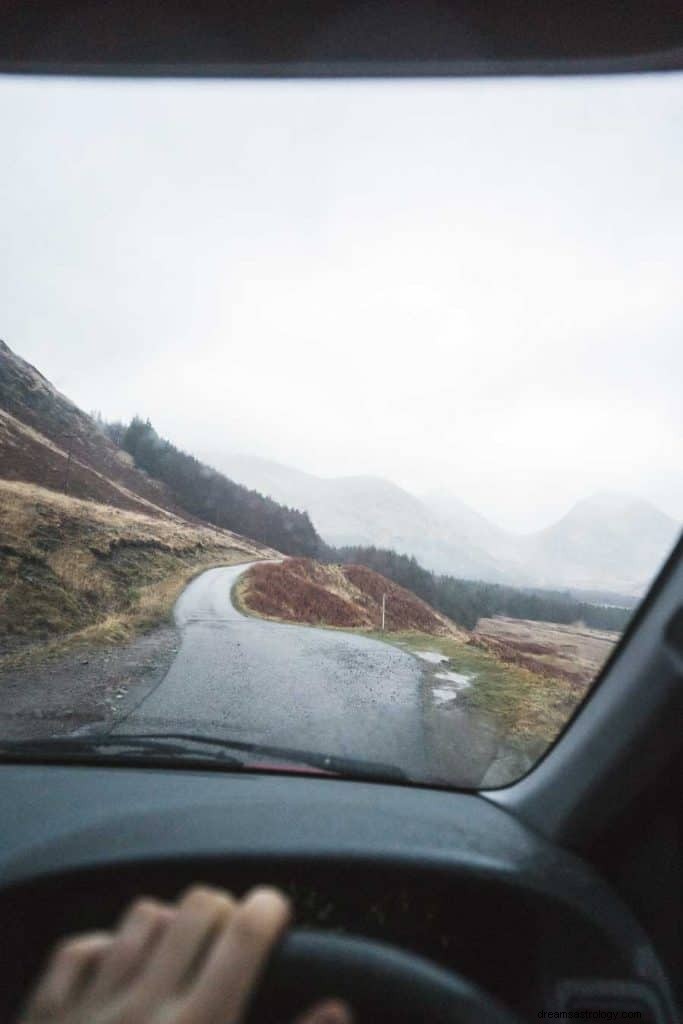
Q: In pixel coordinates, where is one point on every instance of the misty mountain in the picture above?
(364, 511)
(607, 542)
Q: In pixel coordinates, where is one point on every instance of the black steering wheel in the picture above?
(382, 984)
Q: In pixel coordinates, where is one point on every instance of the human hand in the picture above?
(196, 962)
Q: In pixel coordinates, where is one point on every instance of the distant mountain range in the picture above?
(607, 542)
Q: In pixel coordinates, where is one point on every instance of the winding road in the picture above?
(288, 686)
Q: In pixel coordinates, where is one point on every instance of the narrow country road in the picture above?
(298, 687)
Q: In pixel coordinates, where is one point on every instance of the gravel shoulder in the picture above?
(89, 687)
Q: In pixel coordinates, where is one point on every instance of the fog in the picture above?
(467, 286)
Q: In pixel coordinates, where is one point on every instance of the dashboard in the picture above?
(447, 875)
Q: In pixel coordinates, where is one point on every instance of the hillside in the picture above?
(79, 569)
(350, 596)
(213, 497)
(606, 543)
(38, 426)
(46, 440)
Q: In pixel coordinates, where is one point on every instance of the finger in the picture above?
(201, 913)
(137, 935)
(331, 1011)
(238, 957)
(69, 966)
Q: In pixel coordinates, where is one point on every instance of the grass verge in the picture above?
(75, 573)
(531, 709)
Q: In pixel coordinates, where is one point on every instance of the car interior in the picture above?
(559, 895)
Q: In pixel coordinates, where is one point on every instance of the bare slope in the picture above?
(71, 567)
(302, 590)
(38, 426)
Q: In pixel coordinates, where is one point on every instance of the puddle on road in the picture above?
(442, 695)
(457, 681)
(446, 684)
(458, 678)
(433, 657)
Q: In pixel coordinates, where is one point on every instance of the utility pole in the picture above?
(68, 461)
(384, 610)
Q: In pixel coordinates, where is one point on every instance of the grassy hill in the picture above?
(74, 571)
(345, 596)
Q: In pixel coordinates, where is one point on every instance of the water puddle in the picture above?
(458, 678)
(449, 693)
(444, 685)
(433, 657)
(442, 695)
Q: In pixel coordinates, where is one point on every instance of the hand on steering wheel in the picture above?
(193, 963)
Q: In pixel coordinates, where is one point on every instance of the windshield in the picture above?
(339, 420)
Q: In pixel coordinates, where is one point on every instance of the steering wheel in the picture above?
(381, 984)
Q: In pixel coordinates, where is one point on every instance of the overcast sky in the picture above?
(467, 286)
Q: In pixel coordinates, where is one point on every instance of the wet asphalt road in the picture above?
(287, 686)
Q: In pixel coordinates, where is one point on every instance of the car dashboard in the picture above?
(446, 875)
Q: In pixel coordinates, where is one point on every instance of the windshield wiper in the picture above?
(124, 747)
(187, 745)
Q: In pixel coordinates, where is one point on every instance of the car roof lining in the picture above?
(340, 38)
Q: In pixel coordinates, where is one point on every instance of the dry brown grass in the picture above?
(341, 596)
(76, 572)
(34, 458)
(574, 653)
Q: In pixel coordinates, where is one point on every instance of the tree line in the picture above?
(466, 601)
(209, 495)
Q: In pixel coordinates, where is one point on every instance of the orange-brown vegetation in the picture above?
(575, 653)
(346, 596)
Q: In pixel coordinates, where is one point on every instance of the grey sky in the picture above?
(471, 286)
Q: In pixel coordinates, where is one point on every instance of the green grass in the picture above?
(531, 709)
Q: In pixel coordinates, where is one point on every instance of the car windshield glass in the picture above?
(340, 421)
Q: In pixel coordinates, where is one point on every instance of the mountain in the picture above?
(608, 539)
(366, 510)
(608, 542)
